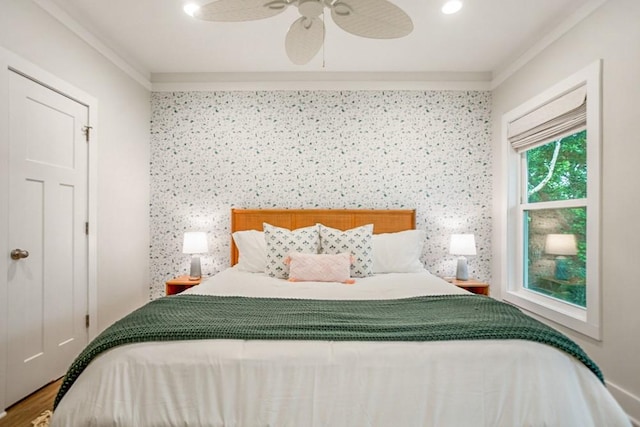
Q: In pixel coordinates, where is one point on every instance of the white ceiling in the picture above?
(156, 36)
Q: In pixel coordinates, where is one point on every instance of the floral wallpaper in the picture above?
(423, 150)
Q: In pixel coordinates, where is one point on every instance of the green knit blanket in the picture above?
(428, 318)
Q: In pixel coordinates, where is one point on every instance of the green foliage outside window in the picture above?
(562, 178)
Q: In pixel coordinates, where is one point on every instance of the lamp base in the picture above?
(562, 268)
(195, 273)
(462, 271)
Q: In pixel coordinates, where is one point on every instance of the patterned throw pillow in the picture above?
(320, 268)
(357, 242)
(281, 242)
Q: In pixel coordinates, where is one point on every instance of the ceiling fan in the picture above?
(376, 19)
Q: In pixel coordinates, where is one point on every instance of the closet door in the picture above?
(47, 276)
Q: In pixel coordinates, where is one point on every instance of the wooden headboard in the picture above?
(384, 221)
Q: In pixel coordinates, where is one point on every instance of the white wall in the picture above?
(612, 33)
(123, 155)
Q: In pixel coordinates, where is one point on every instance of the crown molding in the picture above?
(501, 74)
(318, 85)
(73, 25)
(182, 82)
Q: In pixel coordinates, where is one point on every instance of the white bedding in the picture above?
(379, 286)
(322, 383)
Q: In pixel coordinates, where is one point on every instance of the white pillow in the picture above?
(356, 241)
(252, 250)
(281, 242)
(398, 252)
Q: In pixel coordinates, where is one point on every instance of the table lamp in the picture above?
(462, 245)
(562, 245)
(195, 242)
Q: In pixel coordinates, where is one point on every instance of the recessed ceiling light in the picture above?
(452, 6)
(190, 8)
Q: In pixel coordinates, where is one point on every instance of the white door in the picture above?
(47, 277)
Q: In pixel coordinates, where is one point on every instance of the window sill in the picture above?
(565, 314)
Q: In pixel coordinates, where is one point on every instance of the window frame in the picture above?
(584, 320)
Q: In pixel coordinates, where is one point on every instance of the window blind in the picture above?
(561, 117)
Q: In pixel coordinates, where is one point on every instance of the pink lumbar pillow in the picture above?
(320, 267)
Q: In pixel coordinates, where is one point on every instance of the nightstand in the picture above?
(179, 284)
(471, 285)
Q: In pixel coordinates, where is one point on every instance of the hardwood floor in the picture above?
(22, 413)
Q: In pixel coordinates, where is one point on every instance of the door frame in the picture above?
(10, 62)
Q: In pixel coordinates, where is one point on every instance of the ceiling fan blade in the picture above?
(240, 10)
(304, 39)
(375, 19)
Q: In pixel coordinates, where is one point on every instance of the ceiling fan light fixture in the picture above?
(374, 19)
(277, 4)
(451, 6)
(342, 9)
(310, 8)
(191, 9)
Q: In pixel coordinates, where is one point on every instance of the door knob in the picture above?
(19, 254)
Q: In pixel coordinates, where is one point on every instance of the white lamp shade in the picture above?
(462, 244)
(195, 242)
(561, 244)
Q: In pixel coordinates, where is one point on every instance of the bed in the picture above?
(288, 353)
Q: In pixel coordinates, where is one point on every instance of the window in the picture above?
(553, 235)
(555, 219)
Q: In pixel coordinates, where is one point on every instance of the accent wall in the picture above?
(423, 150)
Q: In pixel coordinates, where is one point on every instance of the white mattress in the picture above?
(322, 383)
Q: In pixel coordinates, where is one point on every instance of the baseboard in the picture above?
(3, 414)
(630, 403)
